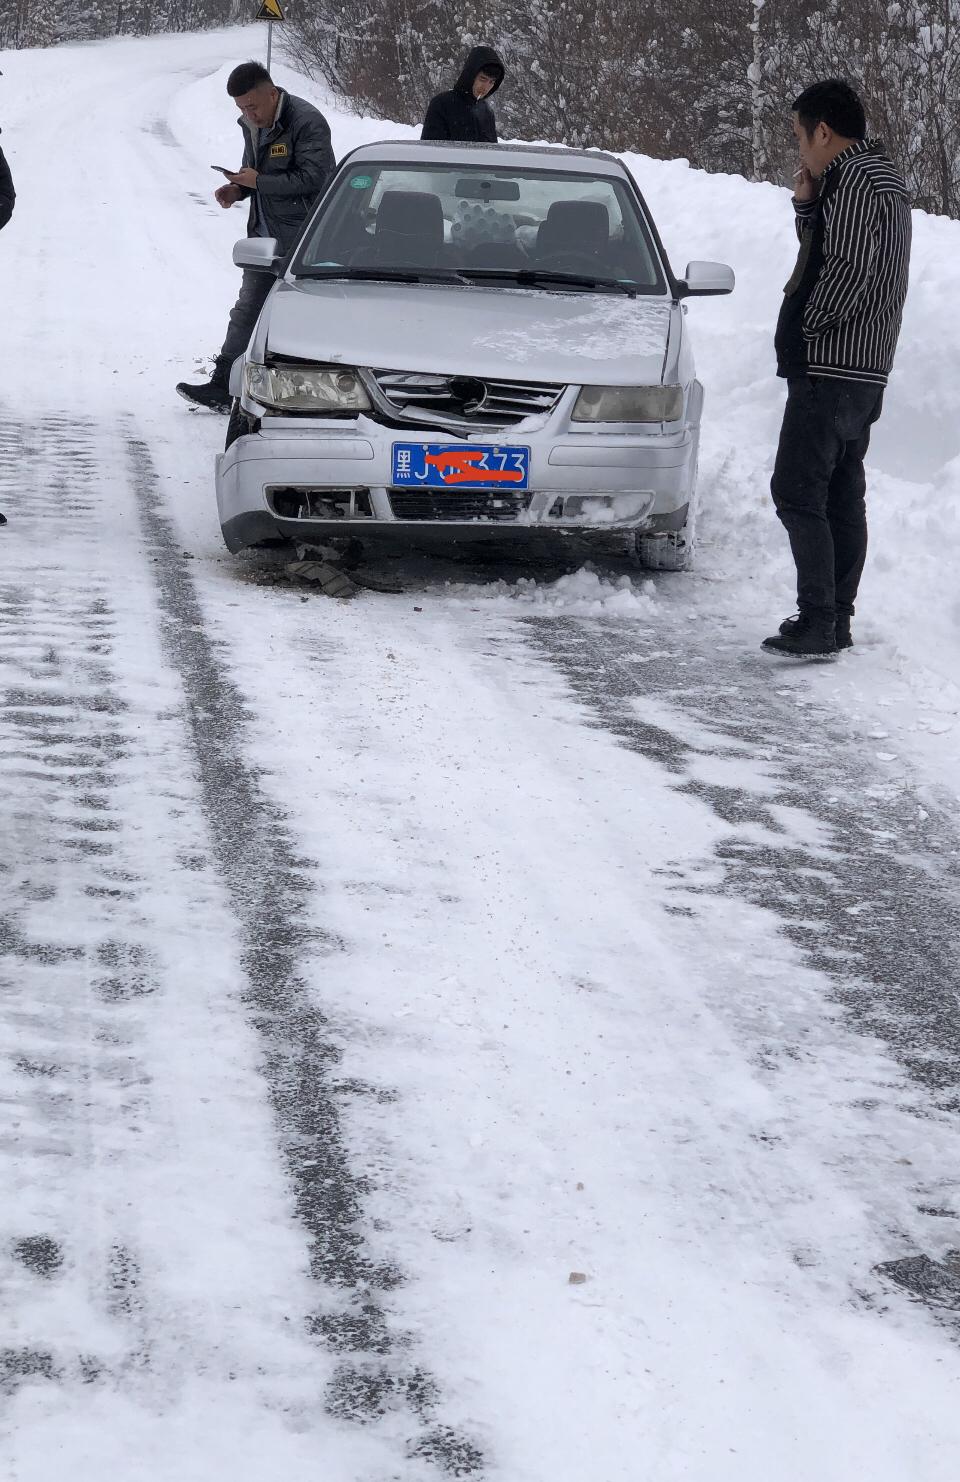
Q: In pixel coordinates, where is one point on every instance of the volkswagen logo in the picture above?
(471, 394)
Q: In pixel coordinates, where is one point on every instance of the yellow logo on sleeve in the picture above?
(278, 151)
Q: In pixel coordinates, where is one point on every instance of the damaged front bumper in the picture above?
(308, 480)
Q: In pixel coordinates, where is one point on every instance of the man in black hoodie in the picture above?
(463, 113)
(835, 343)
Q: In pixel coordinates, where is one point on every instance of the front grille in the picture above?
(429, 504)
(468, 398)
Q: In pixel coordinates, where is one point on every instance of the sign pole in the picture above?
(270, 11)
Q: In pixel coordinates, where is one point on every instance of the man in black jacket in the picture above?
(835, 343)
(463, 113)
(7, 197)
(287, 162)
(7, 193)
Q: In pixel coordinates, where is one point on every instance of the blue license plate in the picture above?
(459, 466)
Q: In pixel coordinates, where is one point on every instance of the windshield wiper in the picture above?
(534, 276)
(387, 275)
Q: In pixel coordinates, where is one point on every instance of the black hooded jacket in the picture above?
(7, 193)
(458, 114)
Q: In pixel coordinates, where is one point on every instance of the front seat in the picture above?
(574, 228)
(408, 232)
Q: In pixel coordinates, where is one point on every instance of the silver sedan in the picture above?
(469, 338)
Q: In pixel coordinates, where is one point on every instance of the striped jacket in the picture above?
(843, 305)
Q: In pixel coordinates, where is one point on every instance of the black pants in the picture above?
(245, 313)
(818, 487)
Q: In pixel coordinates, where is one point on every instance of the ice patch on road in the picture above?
(583, 593)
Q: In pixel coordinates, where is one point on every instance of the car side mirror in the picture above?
(704, 278)
(258, 253)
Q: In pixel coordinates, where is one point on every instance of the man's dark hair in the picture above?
(246, 77)
(834, 103)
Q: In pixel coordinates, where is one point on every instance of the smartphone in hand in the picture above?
(223, 170)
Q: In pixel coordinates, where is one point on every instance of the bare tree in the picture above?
(713, 83)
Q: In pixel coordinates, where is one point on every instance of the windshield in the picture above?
(509, 225)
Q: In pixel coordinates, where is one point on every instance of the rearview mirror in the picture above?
(258, 253)
(487, 189)
(704, 278)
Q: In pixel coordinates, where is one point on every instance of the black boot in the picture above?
(811, 638)
(214, 394)
(792, 625)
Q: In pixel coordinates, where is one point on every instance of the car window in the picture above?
(463, 216)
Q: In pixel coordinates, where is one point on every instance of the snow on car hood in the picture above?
(602, 339)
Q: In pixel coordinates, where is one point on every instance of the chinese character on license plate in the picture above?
(459, 466)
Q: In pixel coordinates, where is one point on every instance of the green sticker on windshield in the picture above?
(361, 182)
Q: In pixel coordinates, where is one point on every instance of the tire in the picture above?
(238, 425)
(671, 551)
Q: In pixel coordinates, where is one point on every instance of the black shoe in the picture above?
(811, 638)
(792, 625)
(211, 395)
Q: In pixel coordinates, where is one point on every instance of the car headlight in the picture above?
(305, 388)
(629, 404)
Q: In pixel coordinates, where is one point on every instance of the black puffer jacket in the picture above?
(294, 162)
(458, 114)
(7, 193)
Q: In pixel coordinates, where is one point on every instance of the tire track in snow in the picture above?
(70, 959)
(880, 913)
(270, 885)
(875, 911)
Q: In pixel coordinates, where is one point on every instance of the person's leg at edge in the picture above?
(846, 502)
(808, 452)
(215, 393)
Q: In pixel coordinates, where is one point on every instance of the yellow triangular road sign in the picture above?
(270, 10)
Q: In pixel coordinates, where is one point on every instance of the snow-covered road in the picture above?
(503, 1030)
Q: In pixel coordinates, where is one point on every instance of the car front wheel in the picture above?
(238, 425)
(671, 551)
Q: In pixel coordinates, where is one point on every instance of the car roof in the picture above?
(492, 156)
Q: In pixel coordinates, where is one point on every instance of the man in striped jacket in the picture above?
(835, 343)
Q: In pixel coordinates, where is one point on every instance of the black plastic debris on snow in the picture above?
(935, 1283)
(270, 888)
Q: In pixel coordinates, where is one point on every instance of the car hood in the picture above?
(574, 338)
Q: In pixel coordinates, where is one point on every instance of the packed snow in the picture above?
(451, 922)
